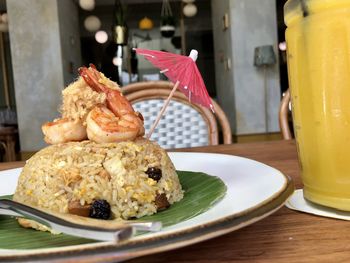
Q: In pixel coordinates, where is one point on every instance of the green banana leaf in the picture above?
(202, 191)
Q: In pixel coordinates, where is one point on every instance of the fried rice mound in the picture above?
(69, 177)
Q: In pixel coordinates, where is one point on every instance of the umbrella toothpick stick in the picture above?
(165, 105)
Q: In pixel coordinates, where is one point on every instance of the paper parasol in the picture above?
(183, 71)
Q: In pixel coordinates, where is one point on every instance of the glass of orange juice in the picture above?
(318, 55)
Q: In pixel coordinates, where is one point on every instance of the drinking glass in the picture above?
(318, 55)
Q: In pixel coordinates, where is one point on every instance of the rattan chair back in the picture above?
(184, 124)
(284, 116)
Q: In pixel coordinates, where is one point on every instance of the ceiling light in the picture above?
(101, 36)
(282, 46)
(190, 10)
(92, 23)
(4, 18)
(146, 23)
(87, 4)
(117, 61)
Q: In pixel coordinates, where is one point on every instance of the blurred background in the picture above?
(241, 48)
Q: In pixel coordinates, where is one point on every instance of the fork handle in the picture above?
(121, 233)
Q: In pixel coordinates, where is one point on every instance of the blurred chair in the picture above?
(8, 142)
(183, 124)
(284, 116)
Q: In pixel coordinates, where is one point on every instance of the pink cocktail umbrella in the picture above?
(182, 71)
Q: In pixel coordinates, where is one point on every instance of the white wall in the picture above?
(241, 90)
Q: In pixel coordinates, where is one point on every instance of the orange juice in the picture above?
(318, 53)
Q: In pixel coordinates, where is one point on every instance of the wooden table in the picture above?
(285, 236)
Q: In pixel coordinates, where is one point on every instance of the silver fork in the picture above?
(117, 233)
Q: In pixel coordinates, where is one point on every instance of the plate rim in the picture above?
(168, 241)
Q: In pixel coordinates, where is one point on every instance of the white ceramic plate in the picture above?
(254, 191)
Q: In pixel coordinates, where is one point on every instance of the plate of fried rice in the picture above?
(101, 166)
(248, 191)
